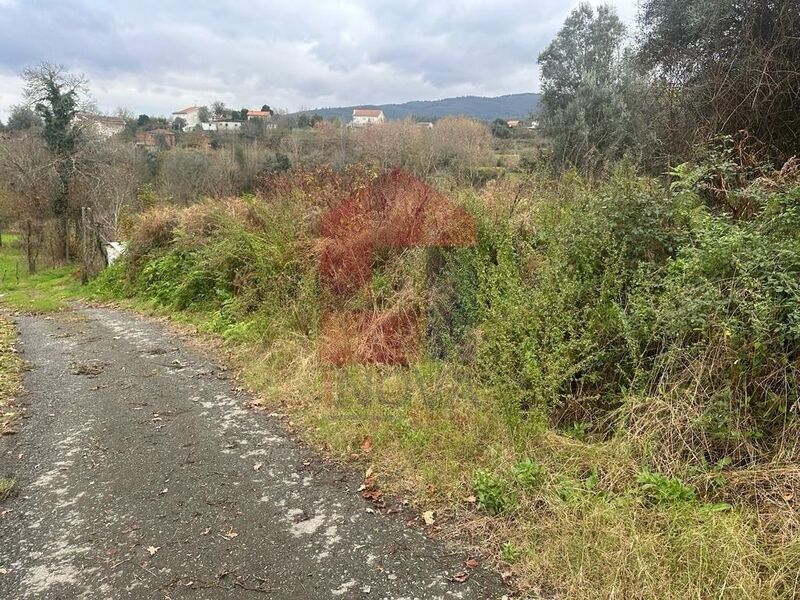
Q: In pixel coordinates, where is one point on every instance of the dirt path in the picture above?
(141, 474)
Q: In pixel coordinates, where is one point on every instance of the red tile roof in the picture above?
(367, 112)
(259, 113)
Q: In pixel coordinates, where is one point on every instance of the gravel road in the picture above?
(141, 473)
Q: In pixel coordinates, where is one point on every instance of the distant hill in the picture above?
(478, 107)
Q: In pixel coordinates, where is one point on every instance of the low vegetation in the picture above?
(6, 487)
(10, 369)
(45, 291)
(607, 399)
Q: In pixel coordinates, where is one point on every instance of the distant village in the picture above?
(162, 132)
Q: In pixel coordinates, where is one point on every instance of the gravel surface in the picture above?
(141, 473)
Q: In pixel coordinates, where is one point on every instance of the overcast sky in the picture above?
(156, 56)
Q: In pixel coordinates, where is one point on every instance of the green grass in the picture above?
(46, 291)
(6, 487)
(10, 368)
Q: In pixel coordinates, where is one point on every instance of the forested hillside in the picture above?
(512, 106)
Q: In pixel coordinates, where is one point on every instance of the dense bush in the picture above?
(579, 307)
(629, 348)
(238, 258)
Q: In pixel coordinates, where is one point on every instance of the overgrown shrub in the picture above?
(655, 329)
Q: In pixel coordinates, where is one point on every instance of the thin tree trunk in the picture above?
(66, 237)
(29, 249)
(84, 246)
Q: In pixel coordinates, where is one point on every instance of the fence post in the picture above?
(29, 248)
(84, 248)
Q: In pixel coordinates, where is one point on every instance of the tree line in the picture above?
(690, 72)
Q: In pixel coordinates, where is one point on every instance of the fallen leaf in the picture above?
(507, 575)
(231, 534)
(164, 491)
(301, 516)
(206, 531)
(368, 474)
(427, 516)
(471, 499)
(366, 445)
(3, 571)
(257, 466)
(153, 549)
(460, 577)
(374, 495)
(471, 563)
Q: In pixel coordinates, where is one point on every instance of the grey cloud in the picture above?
(157, 54)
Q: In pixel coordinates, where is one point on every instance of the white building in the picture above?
(225, 125)
(367, 116)
(190, 114)
(103, 126)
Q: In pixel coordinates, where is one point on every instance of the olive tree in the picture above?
(592, 106)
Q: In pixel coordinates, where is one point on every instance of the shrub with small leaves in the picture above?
(492, 495)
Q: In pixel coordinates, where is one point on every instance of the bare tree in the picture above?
(55, 94)
(29, 177)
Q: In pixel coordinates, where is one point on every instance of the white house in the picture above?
(190, 114)
(103, 126)
(264, 116)
(367, 116)
(226, 125)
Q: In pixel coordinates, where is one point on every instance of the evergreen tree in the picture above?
(592, 101)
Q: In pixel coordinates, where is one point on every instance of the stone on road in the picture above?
(141, 473)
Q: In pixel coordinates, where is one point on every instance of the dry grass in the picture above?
(583, 533)
(10, 369)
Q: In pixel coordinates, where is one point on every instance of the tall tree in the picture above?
(54, 93)
(590, 105)
(726, 66)
(218, 108)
